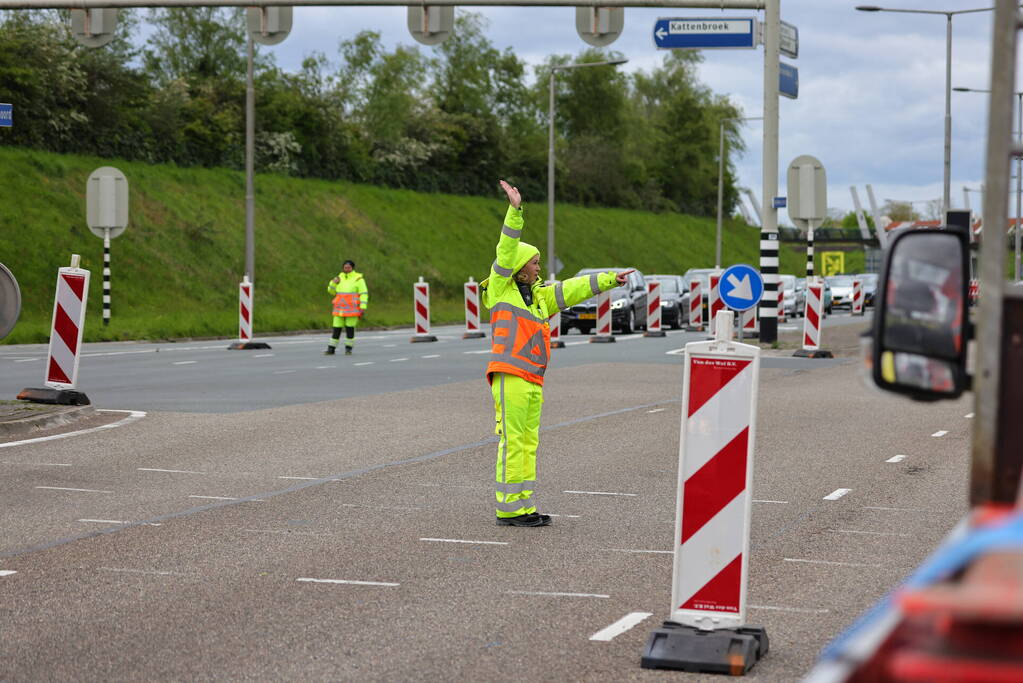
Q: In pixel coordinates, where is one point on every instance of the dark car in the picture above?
(628, 306)
(674, 300)
(869, 287)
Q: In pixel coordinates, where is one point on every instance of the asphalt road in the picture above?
(237, 531)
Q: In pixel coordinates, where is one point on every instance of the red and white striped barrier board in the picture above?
(719, 397)
(974, 291)
(696, 305)
(812, 319)
(555, 323)
(68, 326)
(472, 310)
(857, 300)
(781, 304)
(653, 310)
(714, 302)
(751, 322)
(245, 310)
(603, 319)
(421, 304)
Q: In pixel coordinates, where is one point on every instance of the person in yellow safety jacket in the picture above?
(520, 306)
(351, 298)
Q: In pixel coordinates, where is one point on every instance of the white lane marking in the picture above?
(283, 372)
(325, 367)
(968, 416)
(214, 497)
(458, 540)
(135, 415)
(573, 516)
(560, 595)
(836, 494)
(104, 521)
(869, 533)
(389, 346)
(303, 478)
(655, 410)
(348, 581)
(184, 362)
(39, 464)
(26, 360)
(398, 360)
(602, 493)
(896, 458)
(7, 572)
(61, 488)
(365, 363)
(779, 502)
(830, 562)
(675, 352)
(138, 571)
(263, 355)
(383, 507)
(621, 626)
(432, 355)
(480, 351)
(870, 507)
(801, 610)
(153, 469)
(940, 433)
(627, 550)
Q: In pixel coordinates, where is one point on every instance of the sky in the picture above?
(871, 85)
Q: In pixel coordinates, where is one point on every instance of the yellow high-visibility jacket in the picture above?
(521, 334)
(350, 294)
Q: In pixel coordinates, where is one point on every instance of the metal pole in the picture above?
(106, 276)
(945, 201)
(250, 192)
(1019, 181)
(550, 182)
(721, 195)
(769, 230)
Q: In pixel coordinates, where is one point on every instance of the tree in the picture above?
(197, 43)
(899, 211)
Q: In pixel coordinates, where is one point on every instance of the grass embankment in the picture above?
(175, 270)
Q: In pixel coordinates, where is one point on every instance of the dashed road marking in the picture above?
(621, 626)
(303, 478)
(398, 360)
(572, 516)
(7, 572)
(154, 572)
(432, 355)
(61, 488)
(349, 581)
(655, 410)
(801, 610)
(875, 507)
(868, 533)
(184, 362)
(968, 416)
(940, 433)
(263, 355)
(777, 502)
(25, 360)
(153, 469)
(896, 458)
(115, 521)
(480, 351)
(364, 363)
(560, 595)
(214, 497)
(283, 372)
(831, 562)
(641, 552)
(39, 464)
(836, 494)
(459, 540)
(602, 493)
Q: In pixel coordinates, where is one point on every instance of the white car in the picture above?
(841, 290)
(788, 285)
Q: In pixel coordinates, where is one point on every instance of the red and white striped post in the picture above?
(604, 333)
(974, 292)
(714, 302)
(246, 295)
(781, 304)
(812, 321)
(421, 304)
(653, 310)
(857, 297)
(696, 305)
(555, 323)
(472, 310)
(66, 330)
(714, 502)
(750, 323)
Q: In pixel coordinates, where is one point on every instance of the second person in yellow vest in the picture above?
(351, 298)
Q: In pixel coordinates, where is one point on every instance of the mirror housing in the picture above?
(921, 319)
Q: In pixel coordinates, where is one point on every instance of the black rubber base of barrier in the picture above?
(423, 338)
(731, 651)
(62, 397)
(655, 333)
(818, 353)
(247, 346)
(602, 339)
(474, 335)
(557, 344)
(694, 328)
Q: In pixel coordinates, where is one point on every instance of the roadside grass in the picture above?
(175, 270)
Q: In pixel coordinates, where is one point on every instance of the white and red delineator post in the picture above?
(246, 296)
(857, 297)
(603, 332)
(812, 321)
(472, 310)
(714, 302)
(653, 310)
(781, 304)
(696, 305)
(714, 499)
(421, 304)
(60, 375)
(750, 322)
(555, 323)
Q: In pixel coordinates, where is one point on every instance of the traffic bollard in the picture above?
(812, 321)
(857, 297)
(421, 304)
(653, 310)
(714, 302)
(246, 295)
(472, 310)
(696, 305)
(603, 332)
(555, 323)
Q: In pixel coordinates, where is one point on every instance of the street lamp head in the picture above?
(963, 89)
(616, 62)
(868, 8)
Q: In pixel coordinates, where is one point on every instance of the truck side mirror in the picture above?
(921, 324)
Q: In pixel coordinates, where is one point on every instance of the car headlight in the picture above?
(618, 303)
(665, 303)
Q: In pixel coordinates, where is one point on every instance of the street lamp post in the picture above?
(1019, 170)
(721, 182)
(945, 201)
(550, 156)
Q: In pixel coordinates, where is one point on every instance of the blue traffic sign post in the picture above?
(741, 289)
(788, 80)
(6, 115)
(705, 34)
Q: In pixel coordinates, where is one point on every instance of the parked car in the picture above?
(628, 306)
(800, 297)
(841, 290)
(788, 285)
(869, 287)
(674, 299)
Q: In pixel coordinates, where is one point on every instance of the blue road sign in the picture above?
(6, 115)
(788, 80)
(703, 34)
(741, 287)
(780, 202)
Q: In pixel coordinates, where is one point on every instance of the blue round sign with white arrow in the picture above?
(741, 287)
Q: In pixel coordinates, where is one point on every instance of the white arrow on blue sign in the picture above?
(6, 115)
(741, 287)
(704, 34)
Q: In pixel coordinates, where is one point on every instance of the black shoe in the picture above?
(330, 351)
(348, 350)
(532, 519)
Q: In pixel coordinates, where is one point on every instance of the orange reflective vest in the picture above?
(346, 304)
(521, 342)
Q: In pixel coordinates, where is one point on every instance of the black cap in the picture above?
(349, 262)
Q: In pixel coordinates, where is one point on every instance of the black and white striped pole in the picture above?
(808, 200)
(106, 213)
(809, 250)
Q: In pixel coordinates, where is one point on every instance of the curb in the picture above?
(57, 418)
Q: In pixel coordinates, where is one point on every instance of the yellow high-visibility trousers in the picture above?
(517, 406)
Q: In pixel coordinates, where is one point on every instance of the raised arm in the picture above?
(507, 246)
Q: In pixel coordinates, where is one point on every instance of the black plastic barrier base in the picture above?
(655, 333)
(602, 339)
(423, 338)
(247, 346)
(731, 651)
(557, 344)
(474, 335)
(818, 353)
(63, 397)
